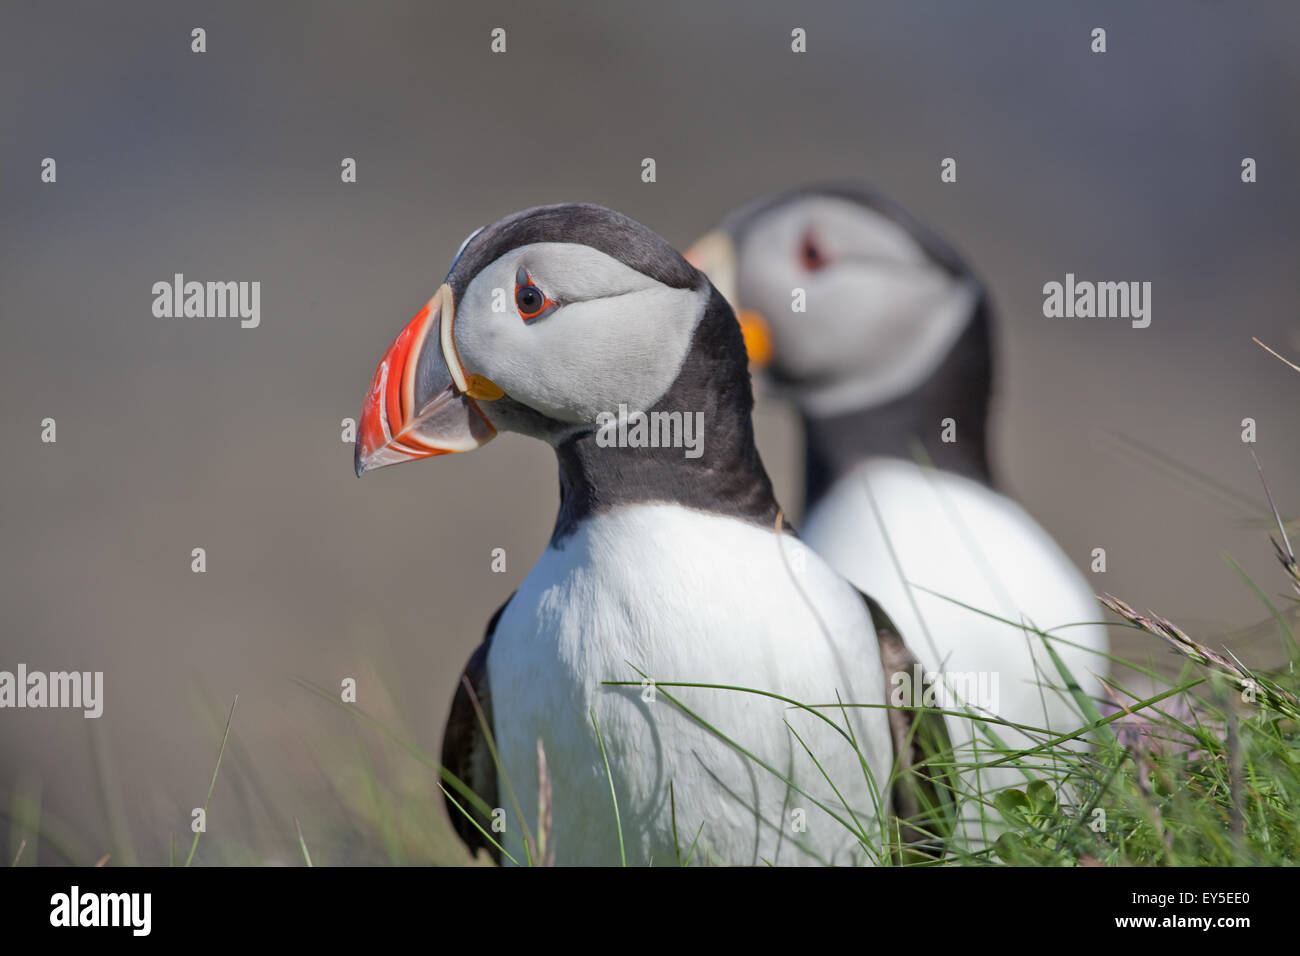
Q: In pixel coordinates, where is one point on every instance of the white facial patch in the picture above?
(880, 315)
(617, 337)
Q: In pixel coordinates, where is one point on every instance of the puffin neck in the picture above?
(959, 389)
(713, 390)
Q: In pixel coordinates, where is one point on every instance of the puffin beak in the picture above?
(421, 402)
(715, 255)
(758, 339)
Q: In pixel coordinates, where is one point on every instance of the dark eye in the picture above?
(530, 300)
(811, 256)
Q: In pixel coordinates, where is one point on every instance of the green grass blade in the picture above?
(618, 820)
(213, 782)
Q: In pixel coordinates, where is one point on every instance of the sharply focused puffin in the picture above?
(663, 567)
(879, 333)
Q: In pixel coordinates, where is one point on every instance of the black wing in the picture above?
(465, 753)
(925, 782)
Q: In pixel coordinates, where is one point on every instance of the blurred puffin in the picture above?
(661, 567)
(893, 339)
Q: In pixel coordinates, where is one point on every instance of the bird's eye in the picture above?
(811, 256)
(530, 300)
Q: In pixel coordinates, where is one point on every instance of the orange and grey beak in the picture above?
(715, 255)
(421, 401)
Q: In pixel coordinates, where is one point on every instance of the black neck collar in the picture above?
(727, 478)
(959, 389)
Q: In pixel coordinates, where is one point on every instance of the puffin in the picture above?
(678, 679)
(880, 334)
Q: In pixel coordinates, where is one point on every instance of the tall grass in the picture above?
(1200, 769)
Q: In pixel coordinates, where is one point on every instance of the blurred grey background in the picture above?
(183, 433)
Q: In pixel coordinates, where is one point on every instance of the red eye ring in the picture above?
(531, 301)
(811, 256)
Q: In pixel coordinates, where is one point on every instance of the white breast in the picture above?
(965, 541)
(687, 597)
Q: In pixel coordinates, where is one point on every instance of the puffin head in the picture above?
(546, 319)
(846, 300)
